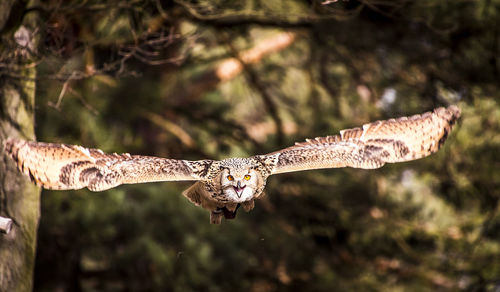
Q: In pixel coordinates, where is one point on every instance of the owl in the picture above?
(224, 186)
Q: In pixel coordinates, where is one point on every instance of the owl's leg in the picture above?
(248, 205)
(216, 216)
(228, 214)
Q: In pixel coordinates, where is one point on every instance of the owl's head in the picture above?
(240, 180)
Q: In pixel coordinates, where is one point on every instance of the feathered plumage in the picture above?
(225, 185)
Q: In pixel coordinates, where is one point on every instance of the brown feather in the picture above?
(62, 167)
(373, 145)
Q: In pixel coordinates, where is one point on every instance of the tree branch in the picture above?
(269, 103)
(272, 19)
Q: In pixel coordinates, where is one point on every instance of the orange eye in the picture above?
(247, 177)
(230, 178)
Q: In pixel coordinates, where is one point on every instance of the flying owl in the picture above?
(223, 186)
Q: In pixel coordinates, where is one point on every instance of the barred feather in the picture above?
(373, 145)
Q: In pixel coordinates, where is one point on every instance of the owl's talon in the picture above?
(228, 214)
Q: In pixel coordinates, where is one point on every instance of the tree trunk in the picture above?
(19, 198)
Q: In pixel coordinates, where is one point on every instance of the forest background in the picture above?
(191, 79)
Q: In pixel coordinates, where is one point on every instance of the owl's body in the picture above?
(235, 182)
(223, 186)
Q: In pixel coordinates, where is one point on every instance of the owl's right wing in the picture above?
(64, 167)
(373, 145)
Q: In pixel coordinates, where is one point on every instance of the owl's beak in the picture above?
(239, 189)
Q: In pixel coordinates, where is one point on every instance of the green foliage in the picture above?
(431, 224)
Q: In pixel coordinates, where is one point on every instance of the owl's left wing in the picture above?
(373, 145)
(64, 167)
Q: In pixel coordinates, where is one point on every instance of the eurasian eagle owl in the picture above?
(223, 186)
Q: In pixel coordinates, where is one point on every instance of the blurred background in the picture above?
(191, 79)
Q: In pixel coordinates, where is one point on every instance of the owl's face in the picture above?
(239, 184)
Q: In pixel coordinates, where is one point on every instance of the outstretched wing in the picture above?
(63, 167)
(372, 146)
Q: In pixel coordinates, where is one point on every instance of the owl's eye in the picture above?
(247, 177)
(230, 178)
